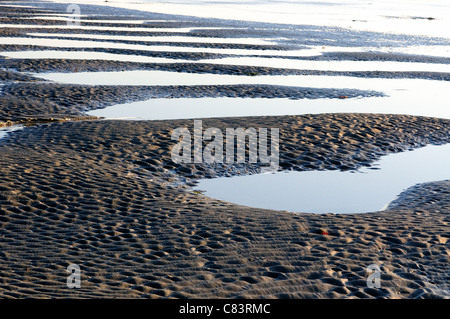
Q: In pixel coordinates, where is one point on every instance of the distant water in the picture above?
(429, 18)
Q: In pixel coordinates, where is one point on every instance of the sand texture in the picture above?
(106, 195)
(101, 194)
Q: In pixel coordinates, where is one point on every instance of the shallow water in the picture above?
(180, 39)
(10, 4)
(67, 17)
(190, 108)
(248, 57)
(314, 51)
(144, 77)
(88, 55)
(366, 190)
(430, 50)
(71, 43)
(404, 96)
(400, 17)
(103, 28)
(270, 62)
(389, 66)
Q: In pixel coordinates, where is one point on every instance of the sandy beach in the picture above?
(106, 195)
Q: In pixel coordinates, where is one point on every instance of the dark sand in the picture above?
(106, 196)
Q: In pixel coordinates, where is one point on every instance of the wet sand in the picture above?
(105, 195)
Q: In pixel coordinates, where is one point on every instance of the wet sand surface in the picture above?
(106, 195)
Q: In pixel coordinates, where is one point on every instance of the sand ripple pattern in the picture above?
(106, 195)
(108, 203)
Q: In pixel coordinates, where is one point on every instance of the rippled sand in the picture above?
(105, 195)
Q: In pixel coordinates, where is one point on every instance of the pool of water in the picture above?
(148, 46)
(382, 16)
(87, 55)
(67, 17)
(10, 4)
(365, 190)
(403, 96)
(144, 77)
(104, 28)
(190, 108)
(246, 60)
(70, 42)
(66, 43)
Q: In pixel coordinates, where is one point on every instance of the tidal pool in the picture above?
(148, 46)
(361, 191)
(88, 55)
(144, 77)
(67, 17)
(402, 96)
(104, 28)
(74, 43)
(387, 66)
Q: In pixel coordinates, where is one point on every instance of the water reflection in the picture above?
(365, 190)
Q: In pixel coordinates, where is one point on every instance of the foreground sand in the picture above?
(106, 196)
(98, 194)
